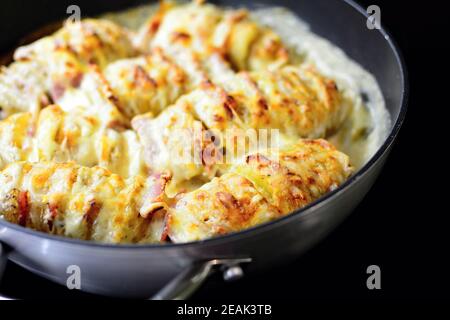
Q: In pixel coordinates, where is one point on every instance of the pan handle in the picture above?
(189, 280)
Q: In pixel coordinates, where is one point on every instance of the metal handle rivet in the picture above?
(233, 273)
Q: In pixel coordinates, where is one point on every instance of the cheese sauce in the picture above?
(368, 124)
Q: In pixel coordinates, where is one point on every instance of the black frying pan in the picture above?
(142, 270)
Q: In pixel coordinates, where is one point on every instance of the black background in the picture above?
(402, 225)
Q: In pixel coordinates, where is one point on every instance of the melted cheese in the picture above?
(51, 66)
(259, 190)
(206, 28)
(84, 203)
(146, 84)
(59, 136)
(296, 101)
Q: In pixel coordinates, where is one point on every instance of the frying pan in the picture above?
(175, 270)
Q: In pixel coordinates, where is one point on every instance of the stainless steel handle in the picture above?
(3, 261)
(188, 281)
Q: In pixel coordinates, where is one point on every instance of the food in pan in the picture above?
(84, 203)
(62, 136)
(294, 100)
(95, 121)
(206, 28)
(45, 69)
(93, 203)
(259, 190)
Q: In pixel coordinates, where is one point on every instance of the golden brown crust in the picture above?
(263, 188)
(206, 28)
(58, 63)
(83, 203)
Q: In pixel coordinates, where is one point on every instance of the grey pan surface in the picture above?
(140, 270)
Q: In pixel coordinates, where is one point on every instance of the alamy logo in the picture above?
(374, 19)
(374, 280)
(74, 279)
(75, 13)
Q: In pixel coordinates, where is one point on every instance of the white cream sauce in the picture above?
(368, 124)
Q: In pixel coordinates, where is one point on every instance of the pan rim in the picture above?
(265, 227)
